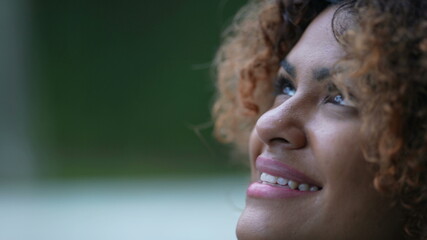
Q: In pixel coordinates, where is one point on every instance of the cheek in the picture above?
(336, 146)
(348, 179)
(347, 174)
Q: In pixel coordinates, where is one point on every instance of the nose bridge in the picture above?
(284, 124)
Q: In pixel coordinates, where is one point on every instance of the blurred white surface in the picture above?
(187, 209)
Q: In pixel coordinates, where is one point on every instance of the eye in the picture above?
(336, 97)
(284, 87)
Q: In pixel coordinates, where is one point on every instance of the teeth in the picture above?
(303, 187)
(268, 178)
(283, 182)
(292, 184)
(263, 176)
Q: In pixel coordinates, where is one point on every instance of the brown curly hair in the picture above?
(386, 61)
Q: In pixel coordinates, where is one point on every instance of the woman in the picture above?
(332, 98)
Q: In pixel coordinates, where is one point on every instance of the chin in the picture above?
(265, 222)
(248, 229)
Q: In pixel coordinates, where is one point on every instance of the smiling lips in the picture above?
(278, 180)
(270, 179)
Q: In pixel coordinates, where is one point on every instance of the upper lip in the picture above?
(279, 169)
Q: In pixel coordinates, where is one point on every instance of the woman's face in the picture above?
(316, 183)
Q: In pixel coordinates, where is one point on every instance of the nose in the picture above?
(283, 126)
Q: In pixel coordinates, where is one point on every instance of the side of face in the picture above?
(312, 128)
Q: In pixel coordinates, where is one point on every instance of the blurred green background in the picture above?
(105, 126)
(110, 88)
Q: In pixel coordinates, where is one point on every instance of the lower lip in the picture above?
(263, 190)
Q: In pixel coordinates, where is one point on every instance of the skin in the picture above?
(320, 138)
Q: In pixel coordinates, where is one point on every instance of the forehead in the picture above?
(317, 47)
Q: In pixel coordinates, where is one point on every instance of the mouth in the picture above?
(278, 180)
(266, 178)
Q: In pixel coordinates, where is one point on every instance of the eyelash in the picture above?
(283, 83)
(284, 86)
(335, 96)
(337, 99)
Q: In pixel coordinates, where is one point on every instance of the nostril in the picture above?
(280, 140)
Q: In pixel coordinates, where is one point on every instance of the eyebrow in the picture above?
(288, 68)
(321, 73)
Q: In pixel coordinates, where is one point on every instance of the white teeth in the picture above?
(292, 184)
(268, 178)
(263, 176)
(303, 187)
(283, 182)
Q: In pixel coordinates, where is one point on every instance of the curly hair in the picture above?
(387, 55)
(386, 61)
